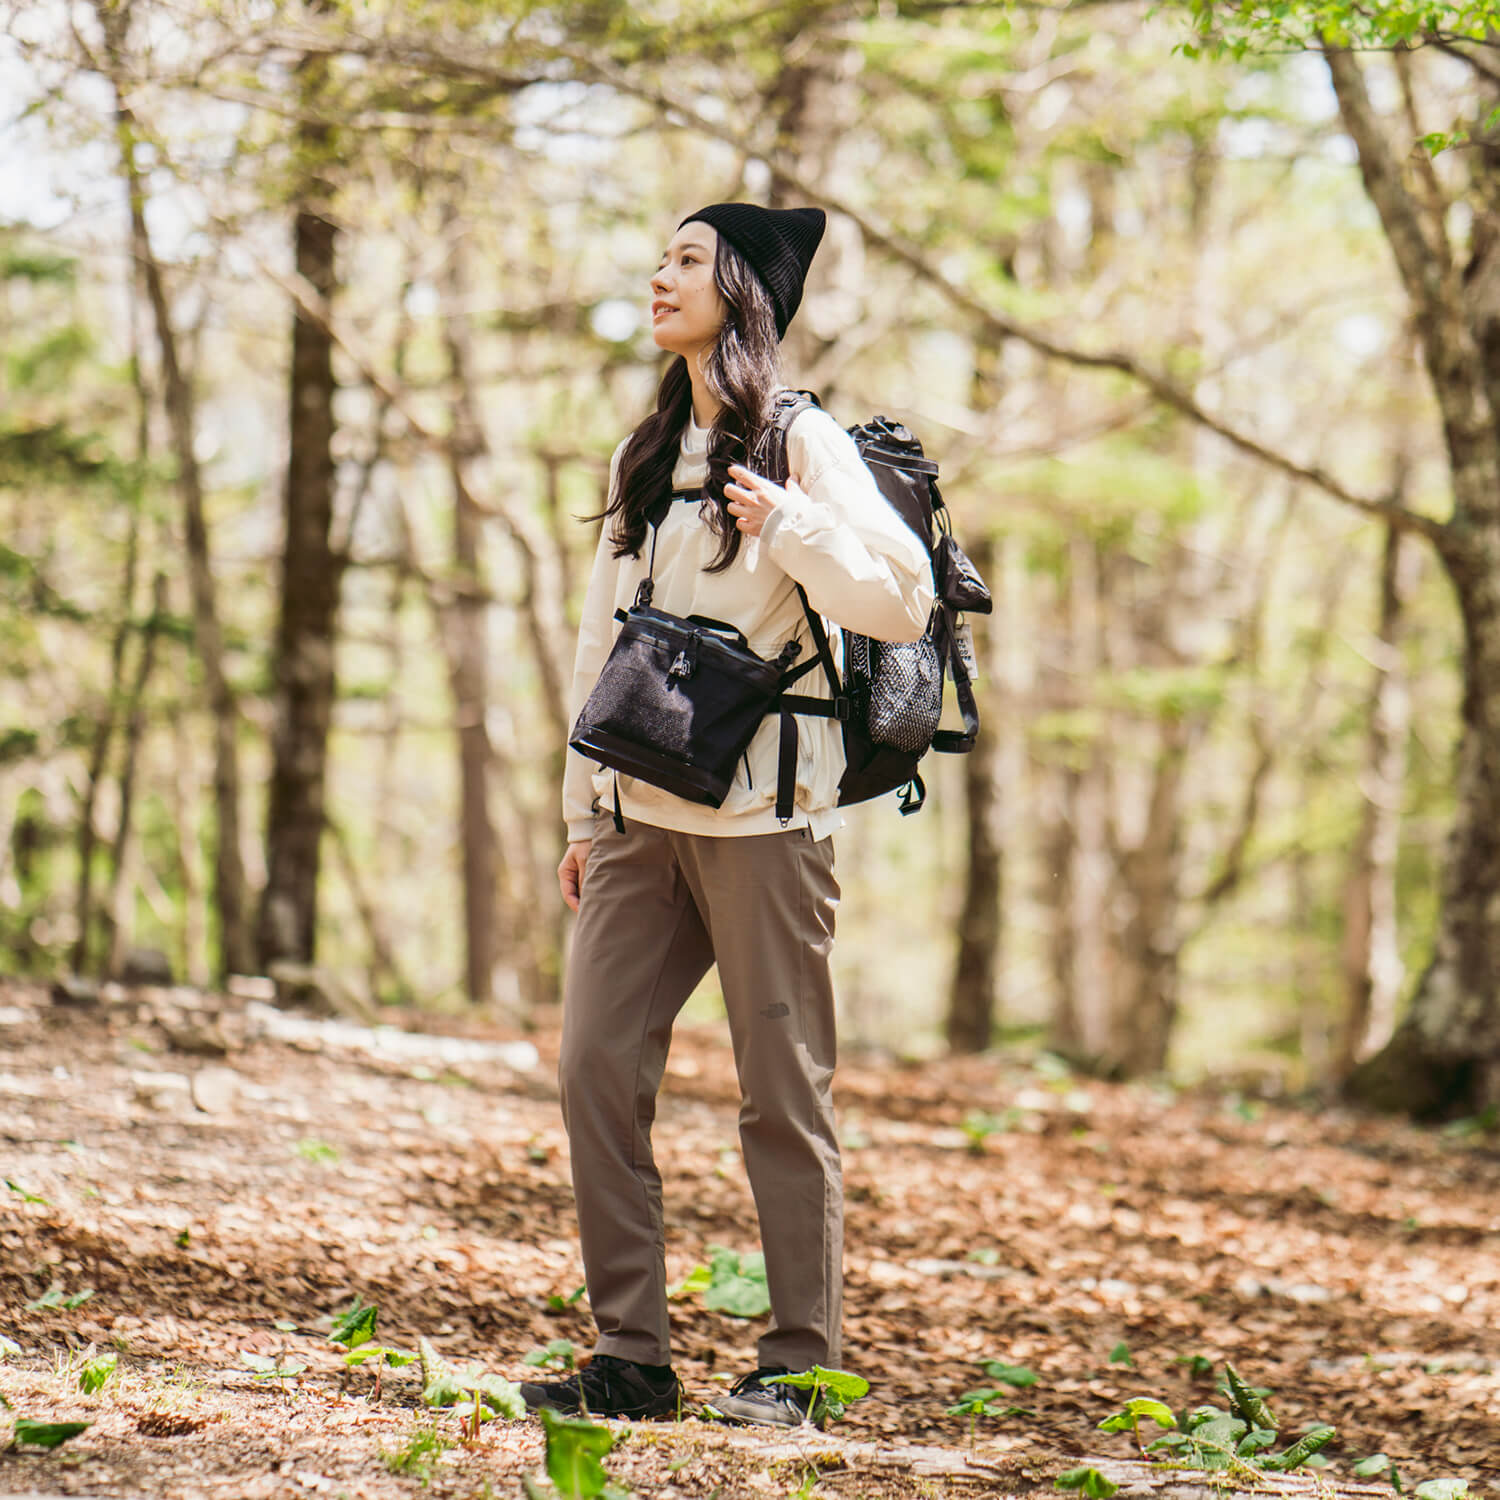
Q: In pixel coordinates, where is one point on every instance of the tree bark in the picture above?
(468, 656)
(1445, 1057)
(970, 1025)
(236, 951)
(1081, 1026)
(1145, 974)
(306, 644)
(1373, 970)
(135, 728)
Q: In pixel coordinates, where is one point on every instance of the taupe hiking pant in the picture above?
(658, 907)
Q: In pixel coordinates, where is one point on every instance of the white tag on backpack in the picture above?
(963, 647)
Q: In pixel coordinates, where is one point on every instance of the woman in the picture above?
(685, 886)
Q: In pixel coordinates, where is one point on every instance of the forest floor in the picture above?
(223, 1188)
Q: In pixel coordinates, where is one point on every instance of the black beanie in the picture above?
(779, 243)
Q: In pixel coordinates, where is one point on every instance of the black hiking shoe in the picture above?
(610, 1387)
(776, 1405)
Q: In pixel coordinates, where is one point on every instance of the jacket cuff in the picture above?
(788, 513)
(580, 830)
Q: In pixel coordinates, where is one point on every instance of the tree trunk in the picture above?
(1144, 975)
(1373, 970)
(184, 792)
(135, 728)
(971, 996)
(1081, 1027)
(1445, 1057)
(468, 658)
(306, 643)
(236, 953)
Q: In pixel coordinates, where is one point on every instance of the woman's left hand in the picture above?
(752, 498)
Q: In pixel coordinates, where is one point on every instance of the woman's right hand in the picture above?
(570, 871)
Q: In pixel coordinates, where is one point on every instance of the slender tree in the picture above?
(305, 658)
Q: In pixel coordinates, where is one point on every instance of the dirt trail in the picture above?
(1349, 1264)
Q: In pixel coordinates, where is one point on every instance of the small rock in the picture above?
(196, 1038)
(146, 966)
(215, 1090)
(75, 989)
(251, 987)
(162, 1090)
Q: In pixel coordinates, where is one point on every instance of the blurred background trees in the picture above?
(321, 320)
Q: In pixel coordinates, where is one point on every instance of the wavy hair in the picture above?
(742, 368)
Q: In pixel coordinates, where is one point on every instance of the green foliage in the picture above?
(737, 1284)
(1120, 1355)
(834, 1391)
(979, 1124)
(263, 1367)
(16, 1188)
(317, 1151)
(354, 1328)
(469, 1391)
(1129, 1417)
(1089, 1483)
(1248, 1401)
(984, 1402)
(1235, 28)
(558, 1303)
(697, 1280)
(46, 1434)
(1018, 1376)
(95, 1373)
(559, 1354)
(56, 1297)
(419, 1456)
(1441, 1489)
(575, 1448)
(355, 1325)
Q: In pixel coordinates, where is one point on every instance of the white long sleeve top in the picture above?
(861, 566)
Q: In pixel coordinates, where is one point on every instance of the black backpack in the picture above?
(891, 697)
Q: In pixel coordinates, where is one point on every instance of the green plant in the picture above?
(979, 1124)
(1013, 1375)
(55, 1297)
(263, 1367)
(558, 1303)
(95, 1374)
(558, 1354)
(46, 1434)
(471, 1393)
(1088, 1482)
(982, 1403)
(575, 1448)
(24, 1196)
(1120, 1355)
(354, 1328)
(419, 1456)
(736, 1283)
(833, 1391)
(317, 1151)
(1129, 1417)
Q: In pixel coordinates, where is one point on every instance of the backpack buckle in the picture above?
(843, 708)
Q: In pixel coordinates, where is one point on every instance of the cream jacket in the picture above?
(862, 567)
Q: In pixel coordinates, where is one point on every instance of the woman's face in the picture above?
(686, 308)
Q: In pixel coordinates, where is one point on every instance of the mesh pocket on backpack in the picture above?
(901, 686)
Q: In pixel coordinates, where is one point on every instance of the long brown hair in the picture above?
(742, 369)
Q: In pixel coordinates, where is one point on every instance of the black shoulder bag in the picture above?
(679, 700)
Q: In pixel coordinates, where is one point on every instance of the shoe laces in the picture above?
(753, 1381)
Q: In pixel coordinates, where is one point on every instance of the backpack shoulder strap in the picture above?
(785, 409)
